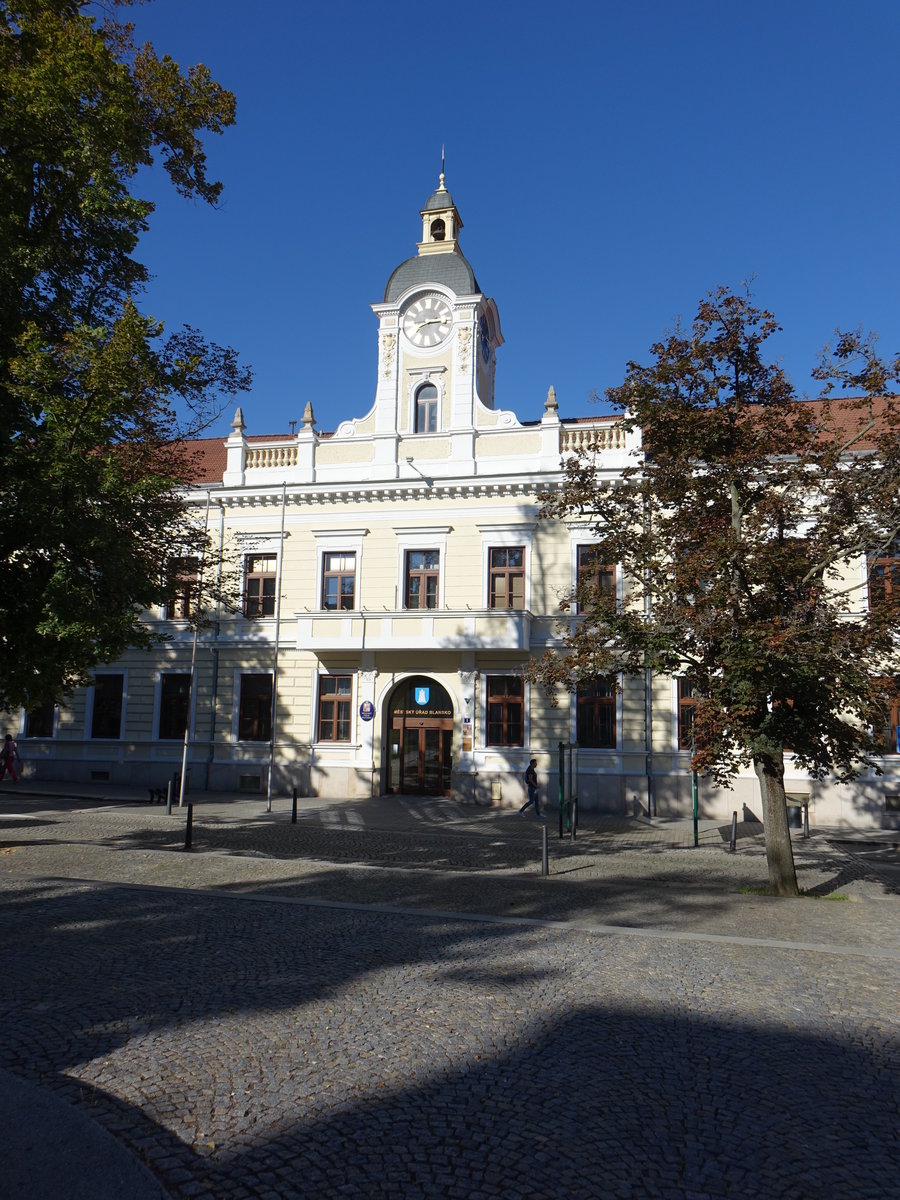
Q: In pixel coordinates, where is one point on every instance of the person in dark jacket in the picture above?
(531, 783)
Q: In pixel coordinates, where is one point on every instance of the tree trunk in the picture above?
(779, 851)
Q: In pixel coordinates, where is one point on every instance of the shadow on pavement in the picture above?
(318, 1053)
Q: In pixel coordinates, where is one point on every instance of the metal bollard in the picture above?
(169, 798)
(574, 817)
(545, 856)
(733, 846)
(294, 809)
(806, 819)
(189, 827)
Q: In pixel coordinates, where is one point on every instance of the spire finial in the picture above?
(441, 185)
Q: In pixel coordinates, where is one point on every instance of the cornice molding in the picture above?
(325, 496)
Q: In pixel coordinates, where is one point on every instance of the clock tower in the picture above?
(438, 336)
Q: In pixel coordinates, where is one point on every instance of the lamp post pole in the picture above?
(189, 724)
(695, 797)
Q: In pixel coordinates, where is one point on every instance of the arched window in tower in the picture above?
(438, 230)
(426, 409)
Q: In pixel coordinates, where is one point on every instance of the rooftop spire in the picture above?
(442, 187)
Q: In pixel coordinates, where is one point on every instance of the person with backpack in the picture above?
(9, 753)
(531, 784)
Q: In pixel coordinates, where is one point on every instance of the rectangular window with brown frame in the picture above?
(339, 581)
(596, 716)
(174, 702)
(505, 710)
(255, 708)
(592, 572)
(506, 577)
(182, 584)
(884, 575)
(335, 706)
(106, 717)
(260, 572)
(687, 705)
(422, 578)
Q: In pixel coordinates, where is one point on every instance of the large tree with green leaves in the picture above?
(96, 400)
(746, 527)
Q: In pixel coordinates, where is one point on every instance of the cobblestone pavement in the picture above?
(250, 1026)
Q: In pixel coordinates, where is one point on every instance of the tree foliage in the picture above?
(96, 400)
(745, 528)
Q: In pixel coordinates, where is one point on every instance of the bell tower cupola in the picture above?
(441, 222)
(438, 335)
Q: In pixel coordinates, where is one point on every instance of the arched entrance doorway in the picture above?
(420, 738)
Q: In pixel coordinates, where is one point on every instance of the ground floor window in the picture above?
(687, 707)
(255, 709)
(505, 711)
(174, 700)
(596, 716)
(106, 718)
(39, 721)
(889, 740)
(335, 700)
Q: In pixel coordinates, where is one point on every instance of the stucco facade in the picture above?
(400, 579)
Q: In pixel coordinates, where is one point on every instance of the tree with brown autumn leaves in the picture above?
(747, 528)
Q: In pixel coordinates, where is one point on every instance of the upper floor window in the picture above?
(259, 585)
(426, 416)
(39, 721)
(884, 575)
(182, 581)
(339, 580)
(335, 704)
(422, 577)
(592, 572)
(596, 716)
(255, 708)
(505, 710)
(174, 701)
(506, 577)
(687, 704)
(106, 717)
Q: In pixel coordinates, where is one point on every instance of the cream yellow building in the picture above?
(396, 581)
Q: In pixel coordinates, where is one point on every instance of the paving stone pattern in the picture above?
(248, 1047)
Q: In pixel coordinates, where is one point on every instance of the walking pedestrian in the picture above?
(9, 752)
(531, 784)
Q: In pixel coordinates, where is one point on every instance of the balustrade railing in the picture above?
(591, 438)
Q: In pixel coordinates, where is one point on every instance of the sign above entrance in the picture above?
(421, 697)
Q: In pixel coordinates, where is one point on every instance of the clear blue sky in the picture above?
(611, 162)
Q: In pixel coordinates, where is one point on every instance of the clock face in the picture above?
(428, 321)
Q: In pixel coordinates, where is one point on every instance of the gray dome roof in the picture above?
(451, 270)
(438, 199)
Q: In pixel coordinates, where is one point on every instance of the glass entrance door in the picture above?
(421, 758)
(420, 738)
